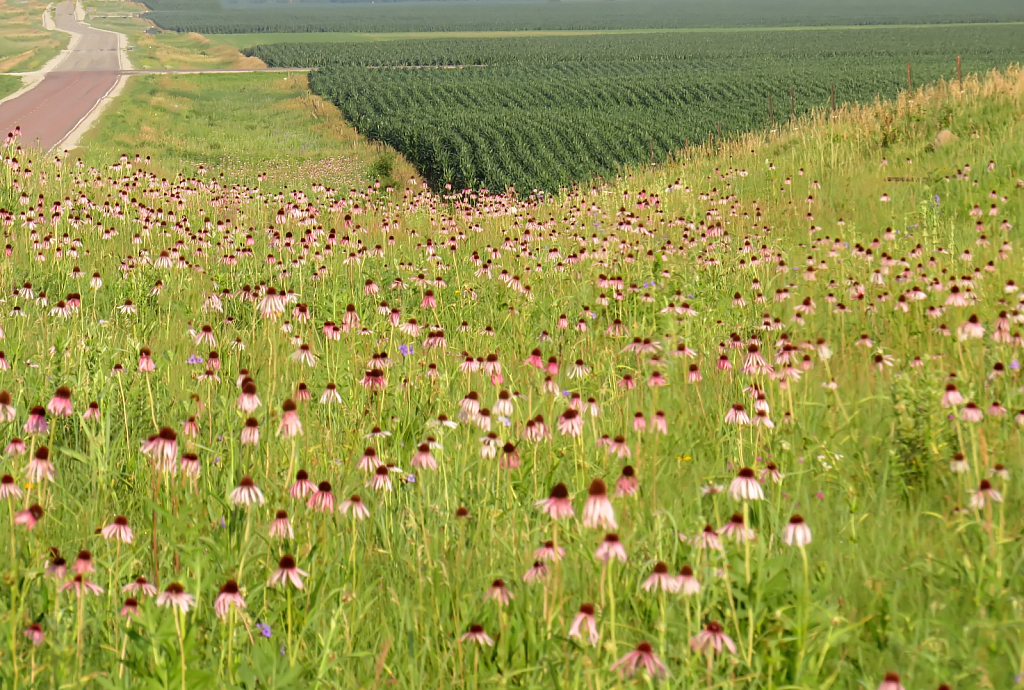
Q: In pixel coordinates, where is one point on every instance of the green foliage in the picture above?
(545, 112)
(254, 16)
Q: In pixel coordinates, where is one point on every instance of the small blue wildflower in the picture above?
(264, 629)
(282, 650)
(223, 525)
(937, 200)
(1014, 364)
(504, 420)
(406, 350)
(410, 479)
(566, 394)
(194, 359)
(216, 460)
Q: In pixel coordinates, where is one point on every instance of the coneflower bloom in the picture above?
(176, 596)
(302, 393)
(549, 552)
(476, 634)
(737, 414)
(36, 423)
(34, 633)
(247, 493)
(40, 467)
(146, 363)
(598, 512)
(797, 533)
(627, 483)
(891, 682)
(60, 403)
(250, 432)
(660, 579)
(7, 411)
(771, 472)
(163, 447)
(290, 425)
(618, 446)
(707, 539)
(369, 460)
(81, 586)
(356, 505)
(380, 480)
(686, 582)
(281, 527)
(737, 529)
(190, 428)
(510, 459)
(323, 499)
(557, 505)
(286, 572)
(585, 617)
(423, 458)
(228, 596)
(570, 423)
(1000, 471)
(83, 563)
(248, 401)
(640, 658)
(330, 395)
(499, 593)
(952, 396)
(139, 587)
(985, 494)
(971, 413)
(130, 608)
(610, 548)
(302, 486)
(745, 487)
(119, 530)
(9, 488)
(712, 640)
(537, 573)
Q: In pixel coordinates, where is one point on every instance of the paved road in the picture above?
(48, 112)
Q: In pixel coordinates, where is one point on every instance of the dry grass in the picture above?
(24, 44)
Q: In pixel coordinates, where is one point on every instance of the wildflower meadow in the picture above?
(750, 418)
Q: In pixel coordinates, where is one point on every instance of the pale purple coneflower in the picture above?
(248, 400)
(570, 423)
(286, 572)
(640, 658)
(129, 608)
(891, 682)
(537, 573)
(190, 428)
(557, 505)
(369, 460)
(737, 414)
(190, 466)
(952, 397)
(549, 552)
(585, 617)
(797, 533)
(40, 467)
(737, 529)
(281, 527)
(627, 483)
(476, 634)
(356, 505)
(140, 587)
(745, 487)
(176, 596)
(7, 411)
(9, 488)
(323, 499)
(247, 493)
(597, 511)
(82, 586)
(118, 530)
(330, 395)
(251, 432)
(999, 470)
(985, 494)
(228, 596)
(771, 472)
(380, 480)
(423, 458)
(83, 563)
(290, 425)
(34, 633)
(146, 363)
(609, 548)
(712, 640)
(92, 412)
(58, 566)
(660, 579)
(36, 423)
(707, 539)
(687, 582)
(302, 486)
(499, 593)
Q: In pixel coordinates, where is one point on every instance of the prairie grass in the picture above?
(907, 572)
